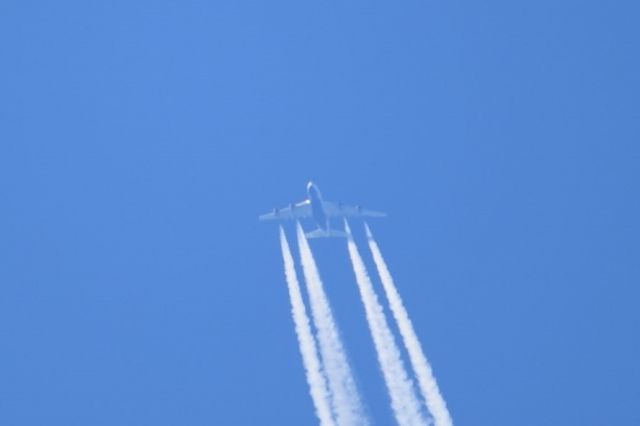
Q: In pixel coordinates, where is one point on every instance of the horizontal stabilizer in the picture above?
(321, 233)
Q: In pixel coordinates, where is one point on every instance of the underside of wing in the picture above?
(292, 211)
(346, 210)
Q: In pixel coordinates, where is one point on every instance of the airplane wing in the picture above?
(292, 211)
(340, 209)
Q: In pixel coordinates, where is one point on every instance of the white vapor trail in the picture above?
(404, 402)
(308, 350)
(428, 386)
(345, 398)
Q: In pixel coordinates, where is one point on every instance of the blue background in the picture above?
(140, 140)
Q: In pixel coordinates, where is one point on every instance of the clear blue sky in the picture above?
(140, 140)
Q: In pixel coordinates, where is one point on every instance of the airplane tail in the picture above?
(321, 233)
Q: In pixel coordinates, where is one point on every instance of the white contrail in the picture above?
(308, 350)
(426, 380)
(345, 398)
(404, 402)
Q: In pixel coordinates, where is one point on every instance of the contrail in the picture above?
(308, 350)
(426, 380)
(404, 402)
(344, 394)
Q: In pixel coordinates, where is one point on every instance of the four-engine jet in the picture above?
(321, 211)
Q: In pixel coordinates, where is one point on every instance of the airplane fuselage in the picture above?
(317, 208)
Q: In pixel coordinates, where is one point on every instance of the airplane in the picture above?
(321, 212)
